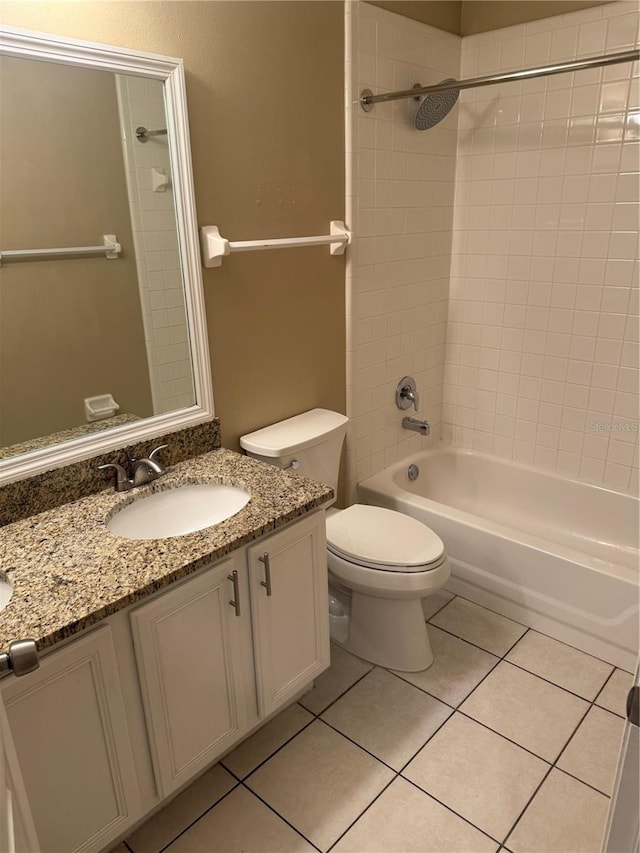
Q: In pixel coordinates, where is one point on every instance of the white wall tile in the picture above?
(560, 235)
(399, 265)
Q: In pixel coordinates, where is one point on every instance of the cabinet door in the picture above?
(17, 830)
(70, 733)
(289, 598)
(189, 649)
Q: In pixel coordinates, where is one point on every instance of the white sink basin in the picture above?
(178, 511)
(6, 591)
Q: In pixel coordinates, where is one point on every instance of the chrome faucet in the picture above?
(406, 393)
(417, 426)
(143, 471)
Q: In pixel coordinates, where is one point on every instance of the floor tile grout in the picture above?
(450, 809)
(503, 657)
(475, 645)
(552, 683)
(554, 766)
(363, 812)
(241, 778)
(611, 674)
(344, 692)
(440, 609)
(205, 812)
(484, 607)
(272, 809)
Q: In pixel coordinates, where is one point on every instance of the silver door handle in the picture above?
(235, 602)
(266, 583)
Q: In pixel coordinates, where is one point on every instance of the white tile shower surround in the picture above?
(543, 316)
(400, 192)
(542, 337)
(153, 220)
(508, 742)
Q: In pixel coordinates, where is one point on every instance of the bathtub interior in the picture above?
(579, 586)
(584, 517)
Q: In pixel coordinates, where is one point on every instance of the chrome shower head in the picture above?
(435, 107)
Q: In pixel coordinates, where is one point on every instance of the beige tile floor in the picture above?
(507, 743)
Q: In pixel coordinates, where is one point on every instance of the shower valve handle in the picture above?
(406, 394)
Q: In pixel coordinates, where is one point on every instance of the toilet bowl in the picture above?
(386, 563)
(381, 563)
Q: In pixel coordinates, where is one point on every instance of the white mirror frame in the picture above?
(42, 46)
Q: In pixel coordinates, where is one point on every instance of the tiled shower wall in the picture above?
(153, 220)
(400, 186)
(542, 340)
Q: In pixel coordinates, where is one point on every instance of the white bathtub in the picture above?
(555, 554)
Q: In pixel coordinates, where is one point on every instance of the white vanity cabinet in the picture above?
(191, 647)
(200, 664)
(256, 621)
(289, 608)
(69, 728)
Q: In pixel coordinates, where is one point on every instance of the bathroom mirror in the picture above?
(98, 347)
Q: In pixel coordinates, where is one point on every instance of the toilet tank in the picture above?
(313, 438)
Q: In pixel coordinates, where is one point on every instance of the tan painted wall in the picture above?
(265, 85)
(69, 329)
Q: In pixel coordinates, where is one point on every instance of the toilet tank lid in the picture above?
(295, 433)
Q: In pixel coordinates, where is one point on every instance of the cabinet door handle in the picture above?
(266, 583)
(235, 603)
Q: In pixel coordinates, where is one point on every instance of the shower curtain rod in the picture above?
(368, 99)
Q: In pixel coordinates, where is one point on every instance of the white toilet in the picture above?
(381, 563)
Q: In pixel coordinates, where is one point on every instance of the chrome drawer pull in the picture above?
(266, 583)
(235, 603)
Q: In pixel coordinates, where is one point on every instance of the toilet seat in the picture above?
(383, 540)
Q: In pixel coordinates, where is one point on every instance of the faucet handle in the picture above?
(122, 480)
(161, 466)
(406, 393)
(157, 450)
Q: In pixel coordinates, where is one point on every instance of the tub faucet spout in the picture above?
(417, 426)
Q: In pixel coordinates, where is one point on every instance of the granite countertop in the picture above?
(66, 435)
(69, 571)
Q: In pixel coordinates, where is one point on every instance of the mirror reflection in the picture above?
(80, 328)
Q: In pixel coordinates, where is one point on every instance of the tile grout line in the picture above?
(344, 692)
(363, 812)
(205, 812)
(553, 683)
(440, 609)
(277, 814)
(501, 659)
(554, 766)
(450, 809)
(244, 776)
